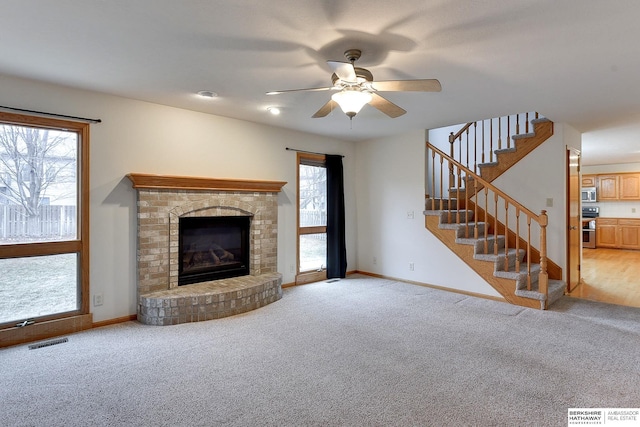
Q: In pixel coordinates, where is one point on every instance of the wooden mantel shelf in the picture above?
(169, 182)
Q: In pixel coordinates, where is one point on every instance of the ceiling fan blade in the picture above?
(311, 89)
(326, 109)
(344, 70)
(386, 106)
(424, 85)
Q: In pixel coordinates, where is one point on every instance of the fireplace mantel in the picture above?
(170, 182)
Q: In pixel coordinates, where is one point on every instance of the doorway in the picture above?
(574, 234)
(598, 274)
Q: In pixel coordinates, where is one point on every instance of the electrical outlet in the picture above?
(410, 215)
(292, 268)
(550, 202)
(411, 266)
(633, 210)
(375, 260)
(98, 299)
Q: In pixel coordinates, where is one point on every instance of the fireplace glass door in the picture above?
(212, 248)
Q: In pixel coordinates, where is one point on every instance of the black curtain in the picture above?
(336, 247)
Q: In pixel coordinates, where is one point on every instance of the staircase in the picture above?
(484, 226)
(486, 255)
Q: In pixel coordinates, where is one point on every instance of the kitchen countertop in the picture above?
(614, 217)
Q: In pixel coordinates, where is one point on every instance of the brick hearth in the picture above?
(162, 201)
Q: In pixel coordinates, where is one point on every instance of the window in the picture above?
(312, 218)
(44, 221)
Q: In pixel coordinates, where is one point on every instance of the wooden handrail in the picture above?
(455, 136)
(487, 184)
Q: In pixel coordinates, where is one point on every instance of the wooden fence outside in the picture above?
(52, 221)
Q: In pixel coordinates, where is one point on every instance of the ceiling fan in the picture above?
(355, 87)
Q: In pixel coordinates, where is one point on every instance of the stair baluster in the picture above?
(475, 212)
(518, 240)
(506, 236)
(486, 219)
(495, 222)
(528, 249)
(499, 133)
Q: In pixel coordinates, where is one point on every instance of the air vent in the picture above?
(48, 343)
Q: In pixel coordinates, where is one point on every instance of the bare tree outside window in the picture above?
(37, 169)
(313, 196)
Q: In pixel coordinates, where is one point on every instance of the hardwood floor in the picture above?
(611, 276)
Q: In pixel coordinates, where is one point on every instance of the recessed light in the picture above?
(274, 110)
(207, 94)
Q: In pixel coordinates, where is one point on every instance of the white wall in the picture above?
(141, 137)
(390, 183)
(622, 167)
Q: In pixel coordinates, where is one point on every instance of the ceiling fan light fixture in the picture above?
(355, 86)
(351, 101)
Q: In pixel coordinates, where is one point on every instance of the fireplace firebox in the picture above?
(212, 248)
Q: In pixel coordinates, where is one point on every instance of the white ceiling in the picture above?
(574, 61)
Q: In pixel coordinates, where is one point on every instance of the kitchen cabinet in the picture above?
(629, 232)
(606, 232)
(614, 186)
(607, 187)
(629, 186)
(620, 233)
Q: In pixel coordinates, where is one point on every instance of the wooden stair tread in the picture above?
(555, 291)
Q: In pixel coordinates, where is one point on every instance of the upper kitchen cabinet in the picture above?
(614, 186)
(588, 180)
(629, 186)
(607, 187)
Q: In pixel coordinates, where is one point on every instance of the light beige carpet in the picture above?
(356, 352)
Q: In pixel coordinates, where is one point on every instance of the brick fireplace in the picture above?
(162, 201)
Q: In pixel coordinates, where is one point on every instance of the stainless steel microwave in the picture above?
(589, 194)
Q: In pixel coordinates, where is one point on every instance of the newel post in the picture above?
(543, 281)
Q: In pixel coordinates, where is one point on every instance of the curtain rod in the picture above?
(60, 116)
(310, 152)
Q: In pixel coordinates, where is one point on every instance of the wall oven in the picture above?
(589, 194)
(589, 215)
